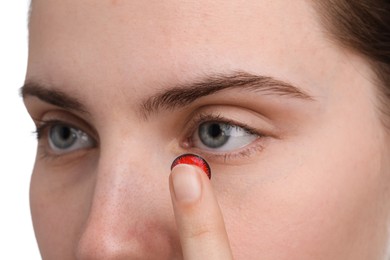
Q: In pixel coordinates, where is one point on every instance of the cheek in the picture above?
(59, 200)
(329, 205)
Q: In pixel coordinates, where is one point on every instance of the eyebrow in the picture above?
(181, 95)
(184, 94)
(52, 96)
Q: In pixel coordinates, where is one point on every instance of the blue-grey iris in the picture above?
(62, 137)
(214, 134)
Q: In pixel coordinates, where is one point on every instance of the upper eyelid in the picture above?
(43, 125)
(209, 117)
(67, 118)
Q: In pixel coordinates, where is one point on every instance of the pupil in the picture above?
(215, 130)
(65, 133)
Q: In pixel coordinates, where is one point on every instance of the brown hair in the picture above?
(364, 27)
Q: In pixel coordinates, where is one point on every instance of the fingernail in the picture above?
(186, 184)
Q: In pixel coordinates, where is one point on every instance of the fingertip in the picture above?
(186, 184)
(197, 214)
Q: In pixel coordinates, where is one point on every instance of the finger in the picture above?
(198, 216)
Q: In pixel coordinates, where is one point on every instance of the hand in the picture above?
(198, 216)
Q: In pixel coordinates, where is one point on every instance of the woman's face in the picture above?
(288, 121)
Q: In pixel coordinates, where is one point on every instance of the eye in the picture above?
(220, 136)
(63, 139)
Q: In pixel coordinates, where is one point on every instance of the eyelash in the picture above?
(44, 125)
(43, 128)
(225, 156)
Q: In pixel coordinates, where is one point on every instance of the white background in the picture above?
(17, 143)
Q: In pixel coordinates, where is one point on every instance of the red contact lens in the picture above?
(193, 160)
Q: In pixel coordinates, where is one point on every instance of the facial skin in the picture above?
(314, 185)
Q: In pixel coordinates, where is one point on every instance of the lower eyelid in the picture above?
(62, 160)
(238, 157)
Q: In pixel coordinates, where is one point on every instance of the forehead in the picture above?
(117, 42)
(173, 27)
(174, 15)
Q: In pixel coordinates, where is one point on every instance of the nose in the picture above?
(130, 216)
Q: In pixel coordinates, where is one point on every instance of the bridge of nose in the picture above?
(131, 214)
